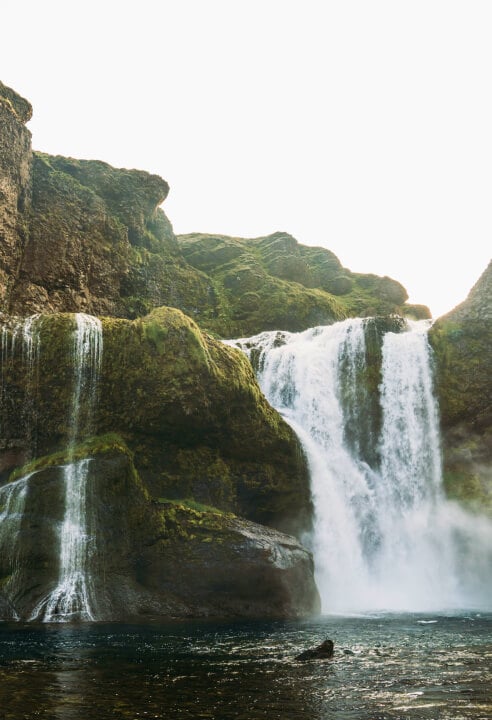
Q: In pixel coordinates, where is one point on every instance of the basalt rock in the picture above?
(321, 652)
(189, 407)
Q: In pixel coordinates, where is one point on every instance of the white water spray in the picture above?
(384, 535)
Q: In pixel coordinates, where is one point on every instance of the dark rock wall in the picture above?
(147, 557)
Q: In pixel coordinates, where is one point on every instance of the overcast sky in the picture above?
(364, 126)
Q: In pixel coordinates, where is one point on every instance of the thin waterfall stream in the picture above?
(73, 598)
(384, 535)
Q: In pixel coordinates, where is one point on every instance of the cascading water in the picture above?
(384, 536)
(27, 332)
(73, 598)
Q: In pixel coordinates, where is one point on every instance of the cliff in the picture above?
(275, 283)
(82, 236)
(178, 466)
(191, 478)
(15, 185)
(462, 342)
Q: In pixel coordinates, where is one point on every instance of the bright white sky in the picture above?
(364, 126)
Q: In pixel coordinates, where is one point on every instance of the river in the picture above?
(385, 667)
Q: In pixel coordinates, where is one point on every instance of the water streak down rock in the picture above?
(73, 596)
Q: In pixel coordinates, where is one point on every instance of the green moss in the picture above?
(274, 282)
(196, 507)
(190, 522)
(182, 402)
(464, 367)
(90, 447)
(469, 489)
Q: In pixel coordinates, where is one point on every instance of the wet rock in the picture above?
(144, 557)
(461, 341)
(321, 652)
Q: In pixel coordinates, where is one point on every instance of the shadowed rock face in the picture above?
(462, 341)
(146, 558)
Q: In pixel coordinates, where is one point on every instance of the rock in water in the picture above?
(321, 652)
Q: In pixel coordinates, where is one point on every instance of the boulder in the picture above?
(145, 557)
(321, 652)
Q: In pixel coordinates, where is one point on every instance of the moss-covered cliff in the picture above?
(188, 406)
(462, 342)
(185, 456)
(15, 185)
(82, 236)
(176, 441)
(275, 283)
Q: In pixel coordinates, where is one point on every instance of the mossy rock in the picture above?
(188, 406)
(17, 104)
(274, 282)
(462, 341)
(143, 556)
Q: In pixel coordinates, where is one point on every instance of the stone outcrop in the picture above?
(275, 283)
(188, 406)
(97, 242)
(15, 185)
(149, 558)
(462, 342)
(82, 236)
(324, 651)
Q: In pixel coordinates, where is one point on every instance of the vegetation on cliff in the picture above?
(149, 557)
(275, 283)
(83, 236)
(188, 406)
(462, 342)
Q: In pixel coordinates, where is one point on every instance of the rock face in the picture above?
(156, 514)
(184, 402)
(15, 185)
(462, 341)
(81, 236)
(275, 283)
(148, 558)
(98, 243)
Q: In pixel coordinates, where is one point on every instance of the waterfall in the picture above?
(384, 536)
(73, 597)
(27, 332)
(12, 504)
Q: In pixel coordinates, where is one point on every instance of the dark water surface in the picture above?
(385, 667)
